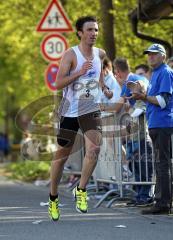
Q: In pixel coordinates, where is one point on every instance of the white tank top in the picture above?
(81, 96)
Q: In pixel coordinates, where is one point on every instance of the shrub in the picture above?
(29, 170)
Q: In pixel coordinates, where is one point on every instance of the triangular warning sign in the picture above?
(54, 19)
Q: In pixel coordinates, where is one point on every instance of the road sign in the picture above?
(50, 76)
(53, 46)
(54, 19)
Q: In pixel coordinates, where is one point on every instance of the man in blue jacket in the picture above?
(159, 100)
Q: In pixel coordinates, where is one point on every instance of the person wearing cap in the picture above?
(159, 111)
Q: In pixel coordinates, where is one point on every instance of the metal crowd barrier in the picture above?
(122, 133)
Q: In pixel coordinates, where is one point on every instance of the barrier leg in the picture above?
(105, 196)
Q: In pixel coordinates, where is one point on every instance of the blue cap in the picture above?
(134, 78)
(157, 48)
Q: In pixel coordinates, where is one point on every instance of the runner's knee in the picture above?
(93, 151)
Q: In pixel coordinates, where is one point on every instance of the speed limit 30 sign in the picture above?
(53, 46)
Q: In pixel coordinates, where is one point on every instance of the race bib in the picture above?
(87, 88)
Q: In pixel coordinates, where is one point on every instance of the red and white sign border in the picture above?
(60, 8)
(45, 55)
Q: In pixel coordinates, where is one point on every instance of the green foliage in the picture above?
(29, 170)
(127, 44)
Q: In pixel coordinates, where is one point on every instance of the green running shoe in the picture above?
(81, 200)
(54, 212)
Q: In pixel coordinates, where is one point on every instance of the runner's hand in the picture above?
(85, 67)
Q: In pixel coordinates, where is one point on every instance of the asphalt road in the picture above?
(22, 218)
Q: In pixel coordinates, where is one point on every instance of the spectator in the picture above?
(122, 69)
(121, 78)
(144, 70)
(170, 62)
(4, 145)
(111, 82)
(159, 99)
(115, 86)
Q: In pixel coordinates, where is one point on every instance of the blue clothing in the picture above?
(4, 144)
(139, 162)
(132, 78)
(125, 92)
(133, 147)
(161, 82)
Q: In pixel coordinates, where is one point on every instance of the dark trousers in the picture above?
(161, 138)
(141, 161)
(144, 171)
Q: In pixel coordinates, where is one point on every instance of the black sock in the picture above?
(82, 189)
(53, 197)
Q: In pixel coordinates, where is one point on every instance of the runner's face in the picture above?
(89, 33)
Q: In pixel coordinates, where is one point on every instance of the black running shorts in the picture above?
(69, 127)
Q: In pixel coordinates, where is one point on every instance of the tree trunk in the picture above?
(63, 2)
(108, 27)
